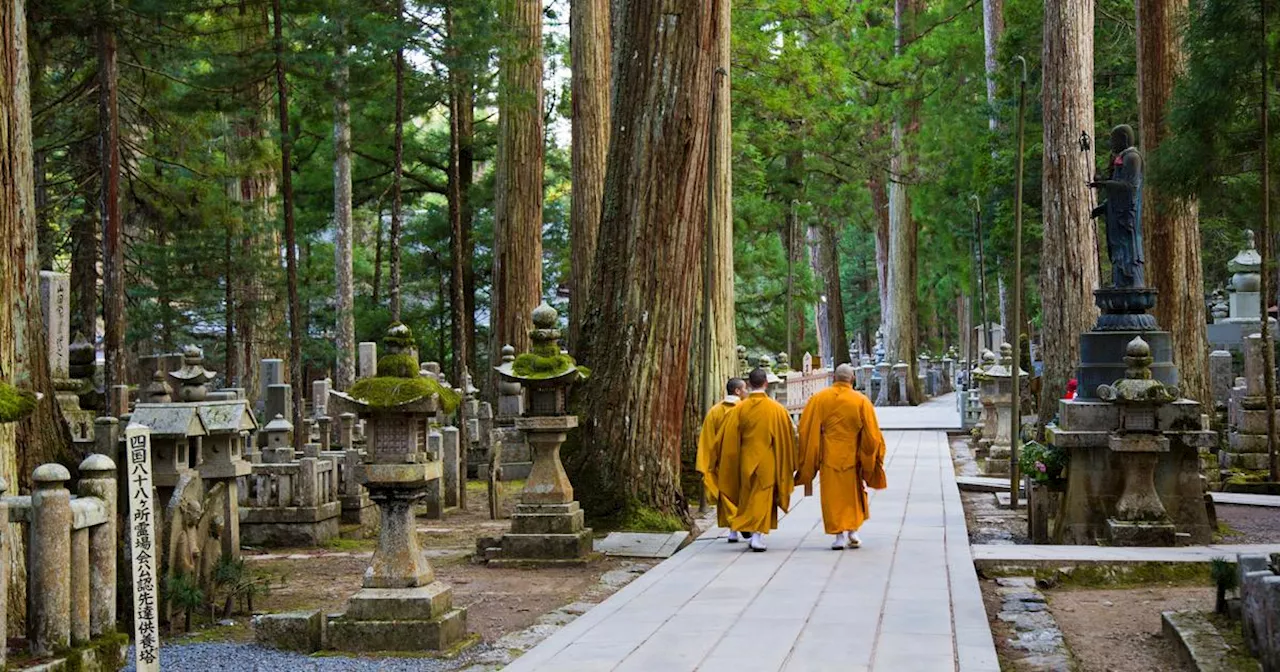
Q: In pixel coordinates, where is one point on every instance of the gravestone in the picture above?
(270, 372)
(1220, 377)
(320, 397)
(279, 401)
(55, 299)
(367, 360)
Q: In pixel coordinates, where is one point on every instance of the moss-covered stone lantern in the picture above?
(547, 524)
(402, 606)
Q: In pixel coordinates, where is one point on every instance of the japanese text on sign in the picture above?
(146, 628)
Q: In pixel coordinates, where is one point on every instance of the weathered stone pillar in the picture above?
(49, 562)
(325, 423)
(346, 430)
(367, 359)
(451, 448)
(79, 586)
(98, 479)
(106, 436)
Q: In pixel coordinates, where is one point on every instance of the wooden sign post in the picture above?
(146, 610)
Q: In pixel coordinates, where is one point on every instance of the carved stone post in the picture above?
(98, 479)
(48, 578)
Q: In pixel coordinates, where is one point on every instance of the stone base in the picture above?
(997, 462)
(437, 634)
(301, 631)
(547, 519)
(1126, 533)
(546, 546)
(1230, 459)
(104, 654)
(423, 603)
(290, 526)
(359, 510)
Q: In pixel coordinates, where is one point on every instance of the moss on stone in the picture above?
(398, 365)
(15, 404)
(389, 391)
(398, 336)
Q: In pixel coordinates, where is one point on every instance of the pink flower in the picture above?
(1041, 468)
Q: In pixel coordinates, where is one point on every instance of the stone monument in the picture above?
(1133, 447)
(1244, 305)
(547, 525)
(402, 607)
(1247, 428)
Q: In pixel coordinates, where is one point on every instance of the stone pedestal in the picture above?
(1102, 349)
(1131, 458)
(547, 525)
(402, 607)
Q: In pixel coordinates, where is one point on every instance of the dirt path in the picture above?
(1119, 629)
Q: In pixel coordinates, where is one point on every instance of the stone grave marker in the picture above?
(146, 620)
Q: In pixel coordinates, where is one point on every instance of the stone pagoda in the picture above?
(1243, 307)
(547, 525)
(402, 607)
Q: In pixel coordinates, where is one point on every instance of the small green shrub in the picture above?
(1043, 463)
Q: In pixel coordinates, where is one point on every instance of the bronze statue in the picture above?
(1123, 210)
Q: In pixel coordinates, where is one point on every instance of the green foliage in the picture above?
(1043, 463)
(183, 593)
(388, 392)
(15, 404)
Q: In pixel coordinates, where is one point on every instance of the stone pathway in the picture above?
(994, 555)
(908, 600)
(936, 413)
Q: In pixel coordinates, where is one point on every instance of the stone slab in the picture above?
(301, 631)
(345, 634)
(641, 544)
(423, 603)
(546, 546)
(992, 556)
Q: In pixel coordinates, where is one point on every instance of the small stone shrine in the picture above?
(1247, 415)
(402, 607)
(1244, 303)
(548, 523)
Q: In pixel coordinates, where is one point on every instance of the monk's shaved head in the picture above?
(844, 373)
(736, 386)
(758, 378)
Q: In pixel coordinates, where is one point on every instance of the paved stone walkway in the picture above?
(1048, 556)
(936, 413)
(907, 601)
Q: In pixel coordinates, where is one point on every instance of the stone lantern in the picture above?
(192, 376)
(1140, 517)
(1000, 377)
(402, 607)
(986, 388)
(548, 523)
(279, 447)
(743, 366)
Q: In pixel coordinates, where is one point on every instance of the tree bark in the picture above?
(992, 30)
(1171, 225)
(290, 235)
(836, 330)
(113, 314)
(41, 436)
(645, 288)
(901, 334)
(590, 52)
(342, 247)
(1069, 251)
(517, 272)
(459, 76)
(880, 208)
(397, 170)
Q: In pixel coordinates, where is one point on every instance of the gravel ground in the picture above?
(252, 658)
(1256, 524)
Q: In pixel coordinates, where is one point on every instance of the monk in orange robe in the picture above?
(709, 451)
(756, 469)
(840, 441)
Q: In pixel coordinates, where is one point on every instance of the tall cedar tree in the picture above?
(113, 316)
(1069, 256)
(590, 52)
(343, 271)
(397, 174)
(290, 233)
(645, 287)
(900, 336)
(517, 266)
(1171, 226)
(41, 436)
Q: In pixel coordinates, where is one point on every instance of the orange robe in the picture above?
(709, 455)
(840, 440)
(756, 470)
